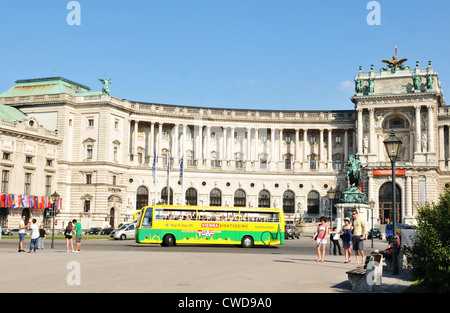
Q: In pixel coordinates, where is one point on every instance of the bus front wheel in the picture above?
(247, 242)
(168, 241)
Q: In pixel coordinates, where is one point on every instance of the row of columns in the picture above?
(250, 152)
(417, 131)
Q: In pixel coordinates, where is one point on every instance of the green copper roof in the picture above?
(46, 86)
(11, 114)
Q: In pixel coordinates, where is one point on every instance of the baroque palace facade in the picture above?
(106, 149)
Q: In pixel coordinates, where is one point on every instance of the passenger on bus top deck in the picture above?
(188, 218)
(170, 216)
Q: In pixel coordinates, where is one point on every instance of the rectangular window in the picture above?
(48, 185)
(312, 164)
(28, 159)
(5, 181)
(114, 180)
(89, 152)
(287, 164)
(91, 122)
(239, 163)
(262, 164)
(6, 156)
(87, 206)
(215, 162)
(88, 179)
(27, 189)
(49, 162)
(337, 165)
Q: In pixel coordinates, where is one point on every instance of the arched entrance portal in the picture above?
(385, 201)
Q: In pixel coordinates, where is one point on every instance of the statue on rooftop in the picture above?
(106, 82)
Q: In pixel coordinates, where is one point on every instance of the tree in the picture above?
(429, 255)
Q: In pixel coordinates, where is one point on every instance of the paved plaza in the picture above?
(106, 266)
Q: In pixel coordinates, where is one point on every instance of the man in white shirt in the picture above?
(22, 228)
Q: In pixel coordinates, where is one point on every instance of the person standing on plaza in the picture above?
(321, 238)
(79, 233)
(346, 235)
(68, 235)
(22, 228)
(359, 235)
(34, 235)
(334, 237)
(1, 231)
(42, 236)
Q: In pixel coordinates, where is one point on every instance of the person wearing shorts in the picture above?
(79, 232)
(22, 228)
(359, 235)
(321, 238)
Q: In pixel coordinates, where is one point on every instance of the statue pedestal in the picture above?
(345, 210)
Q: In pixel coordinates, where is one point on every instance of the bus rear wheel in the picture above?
(168, 241)
(247, 242)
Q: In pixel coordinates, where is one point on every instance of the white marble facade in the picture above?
(245, 157)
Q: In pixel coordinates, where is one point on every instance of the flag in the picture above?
(3, 201)
(395, 49)
(154, 167)
(19, 201)
(181, 168)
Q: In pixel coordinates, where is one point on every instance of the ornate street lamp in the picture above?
(392, 145)
(55, 198)
(331, 195)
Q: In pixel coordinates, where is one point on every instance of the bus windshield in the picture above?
(148, 218)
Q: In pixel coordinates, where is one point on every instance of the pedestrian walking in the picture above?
(42, 236)
(34, 235)
(79, 232)
(320, 236)
(359, 235)
(68, 235)
(346, 236)
(22, 228)
(334, 237)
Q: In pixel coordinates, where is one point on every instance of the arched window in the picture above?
(264, 199)
(289, 201)
(313, 202)
(141, 197)
(191, 196)
(215, 197)
(240, 198)
(164, 195)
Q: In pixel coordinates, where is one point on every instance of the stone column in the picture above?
(280, 150)
(272, 149)
(305, 149)
(135, 141)
(441, 147)
(372, 138)
(207, 155)
(200, 146)
(151, 143)
(408, 198)
(430, 129)
(418, 130)
(345, 146)
(297, 149)
(360, 131)
(223, 154)
(330, 150)
(176, 149)
(321, 151)
(158, 150)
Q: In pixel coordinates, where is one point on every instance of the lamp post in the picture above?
(331, 195)
(372, 206)
(392, 145)
(55, 198)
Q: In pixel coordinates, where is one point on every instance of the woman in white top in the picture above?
(34, 235)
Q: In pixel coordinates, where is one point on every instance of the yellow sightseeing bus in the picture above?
(170, 224)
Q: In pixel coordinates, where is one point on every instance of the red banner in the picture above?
(389, 172)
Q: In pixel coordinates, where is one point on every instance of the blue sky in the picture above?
(249, 54)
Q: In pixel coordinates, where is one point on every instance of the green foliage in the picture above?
(430, 253)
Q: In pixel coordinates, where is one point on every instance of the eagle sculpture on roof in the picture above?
(394, 64)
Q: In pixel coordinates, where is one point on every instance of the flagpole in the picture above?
(155, 176)
(182, 181)
(168, 172)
